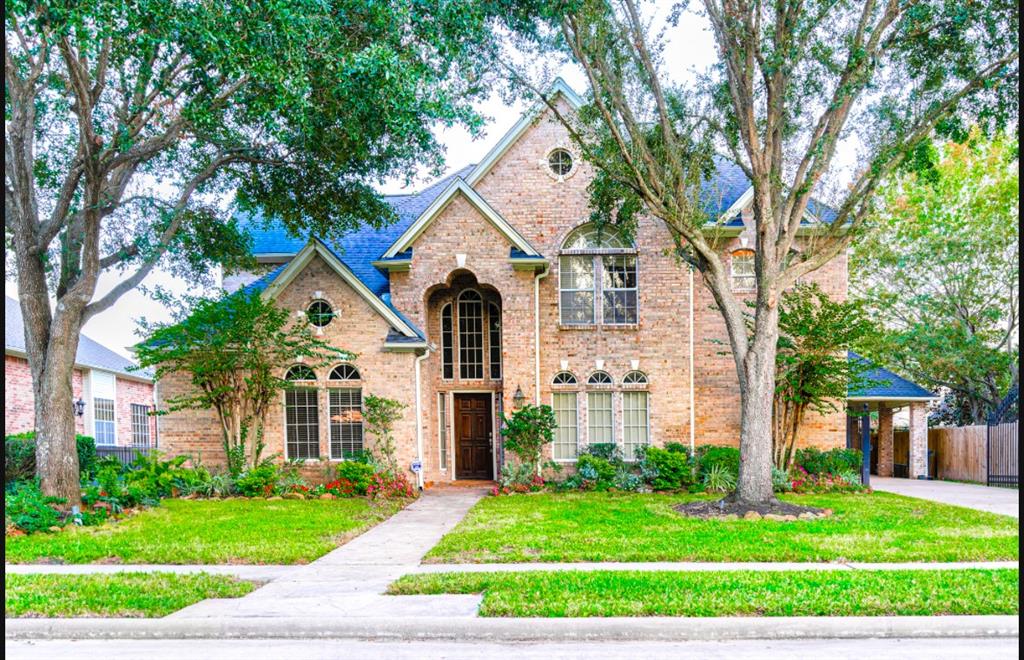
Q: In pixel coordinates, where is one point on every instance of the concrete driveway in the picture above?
(984, 498)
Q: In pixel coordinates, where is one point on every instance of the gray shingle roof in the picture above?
(888, 386)
(90, 353)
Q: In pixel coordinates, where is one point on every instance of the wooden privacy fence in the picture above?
(955, 452)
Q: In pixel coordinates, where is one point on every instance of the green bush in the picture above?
(665, 469)
(677, 448)
(709, 456)
(26, 508)
(260, 480)
(358, 474)
(597, 473)
(834, 461)
(20, 456)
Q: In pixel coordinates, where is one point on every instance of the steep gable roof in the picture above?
(455, 188)
(91, 354)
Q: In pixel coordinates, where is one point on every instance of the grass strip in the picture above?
(210, 532)
(586, 527)
(114, 594)
(727, 593)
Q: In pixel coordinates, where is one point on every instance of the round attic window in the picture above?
(560, 162)
(319, 313)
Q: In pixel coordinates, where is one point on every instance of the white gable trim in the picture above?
(313, 248)
(456, 187)
(559, 87)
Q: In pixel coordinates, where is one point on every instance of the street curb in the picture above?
(521, 630)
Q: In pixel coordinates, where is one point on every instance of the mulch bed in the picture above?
(730, 509)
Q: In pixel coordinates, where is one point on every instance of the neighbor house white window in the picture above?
(345, 400)
(103, 391)
(301, 415)
(566, 445)
(140, 425)
(597, 264)
(743, 277)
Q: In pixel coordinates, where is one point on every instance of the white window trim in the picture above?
(320, 392)
(456, 328)
(443, 438)
(454, 337)
(647, 421)
(340, 385)
(597, 256)
(733, 275)
(593, 290)
(635, 289)
(92, 404)
(611, 393)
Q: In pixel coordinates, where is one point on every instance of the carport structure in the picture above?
(886, 392)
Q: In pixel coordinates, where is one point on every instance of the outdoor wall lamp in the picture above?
(518, 399)
(79, 406)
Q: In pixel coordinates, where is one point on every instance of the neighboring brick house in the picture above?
(116, 403)
(492, 287)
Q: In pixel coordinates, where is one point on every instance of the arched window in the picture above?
(743, 275)
(597, 263)
(600, 378)
(494, 339)
(301, 415)
(564, 378)
(635, 378)
(300, 372)
(471, 335)
(447, 345)
(345, 411)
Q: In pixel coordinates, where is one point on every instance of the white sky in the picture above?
(690, 47)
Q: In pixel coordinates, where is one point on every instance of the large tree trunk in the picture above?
(757, 386)
(53, 343)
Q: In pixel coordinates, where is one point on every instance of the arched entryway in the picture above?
(464, 324)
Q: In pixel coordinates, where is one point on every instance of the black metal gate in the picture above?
(1003, 459)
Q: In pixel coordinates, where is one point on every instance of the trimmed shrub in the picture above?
(360, 475)
(259, 480)
(708, 456)
(598, 472)
(666, 469)
(834, 461)
(20, 456)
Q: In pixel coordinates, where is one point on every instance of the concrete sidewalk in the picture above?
(1005, 501)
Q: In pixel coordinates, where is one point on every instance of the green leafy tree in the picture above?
(380, 415)
(127, 120)
(793, 81)
(941, 272)
(232, 351)
(526, 433)
(813, 371)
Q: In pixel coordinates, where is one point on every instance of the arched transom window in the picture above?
(597, 278)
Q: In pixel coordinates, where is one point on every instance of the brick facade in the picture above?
(460, 250)
(19, 402)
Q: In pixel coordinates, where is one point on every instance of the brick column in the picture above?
(918, 440)
(885, 458)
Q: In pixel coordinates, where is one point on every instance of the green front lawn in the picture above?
(575, 527)
(210, 532)
(728, 593)
(114, 595)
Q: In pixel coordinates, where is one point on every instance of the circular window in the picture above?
(560, 162)
(319, 313)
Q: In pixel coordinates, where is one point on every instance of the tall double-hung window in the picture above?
(597, 278)
(345, 400)
(301, 414)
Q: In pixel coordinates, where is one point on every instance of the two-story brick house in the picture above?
(492, 287)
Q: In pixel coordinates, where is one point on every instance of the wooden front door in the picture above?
(473, 428)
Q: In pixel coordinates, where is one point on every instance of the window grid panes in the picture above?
(576, 283)
(346, 407)
(600, 421)
(471, 336)
(635, 430)
(634, 378)
(563, 378)
(344, 372)
(302, 423)
(103, 420)
(447, 350)
(560, 162)
(599, 378)
(619, 288)
(442, 429)
(565, 447)
(300, 372)
(319, 313)
(140, 425)
(743, 276)
(494, 338)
